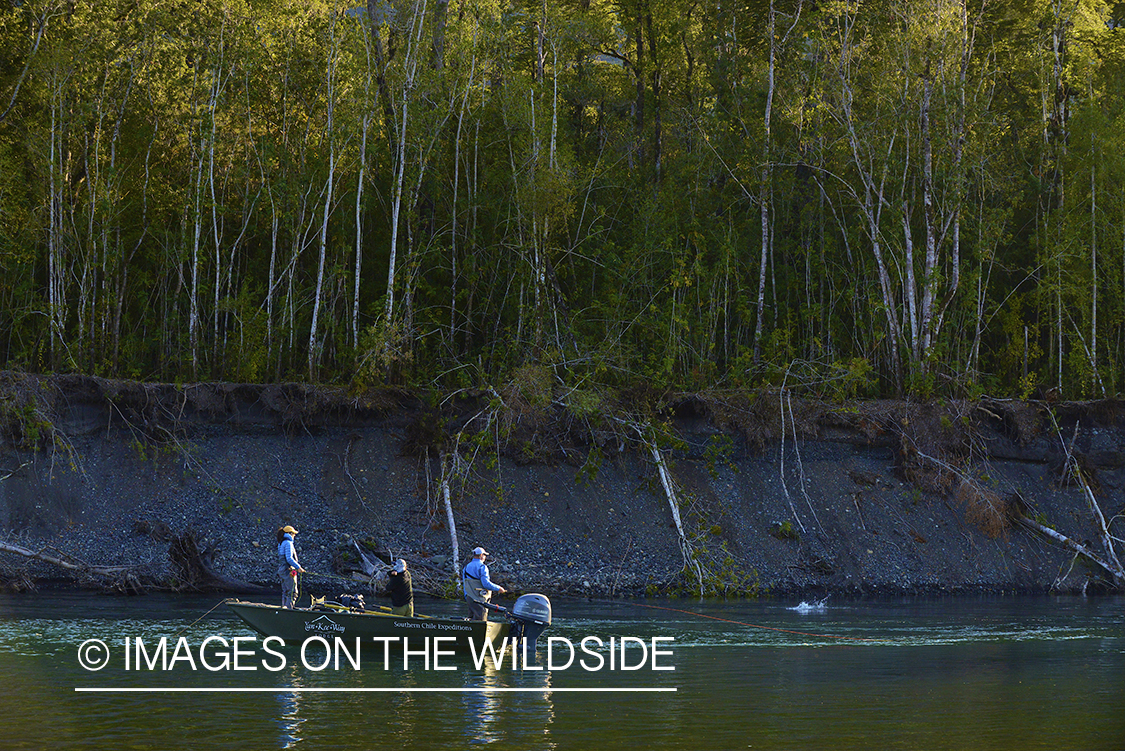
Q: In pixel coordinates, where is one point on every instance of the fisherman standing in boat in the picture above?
(400, 590)
(288, 567)
(477, 586)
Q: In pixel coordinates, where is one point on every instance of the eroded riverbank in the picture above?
(871, 498)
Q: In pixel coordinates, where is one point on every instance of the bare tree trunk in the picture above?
(968, 37)
(54, 240)
(929, 283)
(764, 196)
(447, 467)
(364, 125)
(674, 505)
(1116, 572)
(766, 193)
(456, 189)
(216, 221)
(40, 22)
(409, 69)
(359, 230)
(314, 343)
(63, 561)
(374, 18)
(1094, 379)
(197, 228)
(272, 275)
(657, 125)
(441, 9)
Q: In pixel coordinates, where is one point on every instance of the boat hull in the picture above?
(295, 625)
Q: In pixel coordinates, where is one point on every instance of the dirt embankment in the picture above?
(771, 496)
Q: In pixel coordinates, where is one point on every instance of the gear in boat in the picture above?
(349, 615)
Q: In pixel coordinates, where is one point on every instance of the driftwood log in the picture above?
(122, 579)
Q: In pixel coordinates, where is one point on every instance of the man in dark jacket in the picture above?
(400, 590)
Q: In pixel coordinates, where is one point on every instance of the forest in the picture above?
(848, 197)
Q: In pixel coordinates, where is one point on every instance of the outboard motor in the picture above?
(529, 615)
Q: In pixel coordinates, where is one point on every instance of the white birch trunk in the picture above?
(1094, 379)
(410, 65)
(674, 504)
(764, 198)
(456, 190)
(359, 231)
(446, 469)
(314, 343)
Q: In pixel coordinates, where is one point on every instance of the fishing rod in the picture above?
(333, 576)
(223, 601)
(500, 609)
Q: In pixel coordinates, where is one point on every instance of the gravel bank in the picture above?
(835, 513)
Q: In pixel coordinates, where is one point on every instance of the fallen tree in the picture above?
(122, 578)
(1115, 571)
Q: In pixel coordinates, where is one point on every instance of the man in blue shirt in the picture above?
(287, 566)
(478, 588)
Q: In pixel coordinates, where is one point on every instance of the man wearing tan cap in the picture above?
(288, 567)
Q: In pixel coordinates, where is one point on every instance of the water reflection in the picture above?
(992, 675)
(482, 707)
(538, 709)
(291, 718)
(408, 710)
(523, 718)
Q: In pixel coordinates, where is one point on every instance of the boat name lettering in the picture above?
(434, 626)
(324, 624)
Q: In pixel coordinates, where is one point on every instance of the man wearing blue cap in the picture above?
(478, 588)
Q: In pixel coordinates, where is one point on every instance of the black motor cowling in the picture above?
(530, 614)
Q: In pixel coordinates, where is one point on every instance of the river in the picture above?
(987, 673)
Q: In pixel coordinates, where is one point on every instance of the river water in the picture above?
(1010, 673)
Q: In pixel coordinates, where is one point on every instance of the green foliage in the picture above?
(562, 210)
(719, 449)
(381, 349)
(588, 472)
(25, 424)
(856, 378)
(532, 386)
(586, 404)
(785, 530)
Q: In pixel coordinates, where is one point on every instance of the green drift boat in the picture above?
(526, 619)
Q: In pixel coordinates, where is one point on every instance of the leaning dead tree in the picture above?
(448, 466)
(454, 467)
(994, 513)
(687, 550)
(1111, 567)
(1109, 561)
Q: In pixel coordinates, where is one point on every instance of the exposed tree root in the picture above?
(192, 563)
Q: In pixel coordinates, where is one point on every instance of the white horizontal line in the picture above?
(325, 690)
